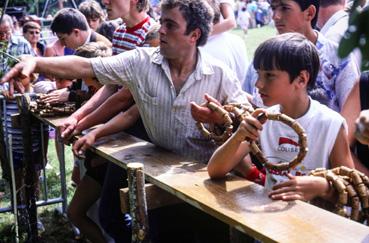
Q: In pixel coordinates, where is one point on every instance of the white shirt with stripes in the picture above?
(166, 115)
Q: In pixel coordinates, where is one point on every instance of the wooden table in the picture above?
(236, 201)
(240, 203)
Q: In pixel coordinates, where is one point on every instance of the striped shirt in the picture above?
(166, 115)
(17, 46)
(125, 38)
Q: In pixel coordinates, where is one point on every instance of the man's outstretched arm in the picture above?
(69, 67)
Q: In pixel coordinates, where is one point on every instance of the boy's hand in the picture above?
(68, 128)
(82, 144)
(303, 188)
(56, 96)
(362, 127)
(250, 128)
(202, 113)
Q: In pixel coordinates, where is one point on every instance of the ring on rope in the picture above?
(352, 187)
(233, 114)
(302, 144)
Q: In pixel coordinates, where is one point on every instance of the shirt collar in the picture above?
(333, 20)
(203, 67)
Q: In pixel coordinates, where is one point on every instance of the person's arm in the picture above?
(228, 22)
(69, 67)
(303, 188)
(362, 127)
(120, 122)
(69, 125)
(233, 151)
(341, 154)
(120, 101)
(351, 110)
(56, 96)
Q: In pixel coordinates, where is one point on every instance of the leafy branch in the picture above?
(357, 35)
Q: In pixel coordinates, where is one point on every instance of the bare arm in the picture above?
(229, 21)
(120, 122)
(69, 67)
(341, 154)
(227, 157)
(120, 101)
(69, 125)
(233, 151)
(351, 110)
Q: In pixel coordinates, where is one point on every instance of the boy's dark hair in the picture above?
(304, 4)
(197, 13)
(68, 19)
(290, 52)
(91, 10)
(327, 3)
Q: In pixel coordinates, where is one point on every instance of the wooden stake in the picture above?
(137, 202)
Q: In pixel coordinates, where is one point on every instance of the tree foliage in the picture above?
(357, 35)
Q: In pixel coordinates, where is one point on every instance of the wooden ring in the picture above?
(302, 143)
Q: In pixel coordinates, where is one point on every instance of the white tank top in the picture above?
(280, 143)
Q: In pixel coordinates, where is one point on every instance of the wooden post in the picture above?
(137, 202)
(30, 173)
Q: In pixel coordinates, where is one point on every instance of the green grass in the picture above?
(57, 229)
(254, 38)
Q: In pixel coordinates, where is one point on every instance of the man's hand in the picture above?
(362, 127)
(202, 113)
(68, 128)
(82, 144)
(21, 72)
(56, 96)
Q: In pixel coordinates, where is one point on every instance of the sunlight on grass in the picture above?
(254, 38)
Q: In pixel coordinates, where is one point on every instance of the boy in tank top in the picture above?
(287, 67)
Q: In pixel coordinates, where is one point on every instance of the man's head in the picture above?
(71, 27)
(291, 53)
(31, 32)
(215, 5)
(190, 19)
(93, 13)
(6, 28)
(124, 8)
(295, 15)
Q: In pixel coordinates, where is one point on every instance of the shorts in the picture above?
(96, 167)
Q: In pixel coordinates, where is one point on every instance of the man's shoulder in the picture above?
(18, 40)
(19, 46)
(103, 39)
(328, 52)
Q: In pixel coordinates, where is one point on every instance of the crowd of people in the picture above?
(149, 74)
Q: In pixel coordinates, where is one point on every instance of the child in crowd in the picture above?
(243, 19)
(287, 66)
(88, 189)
